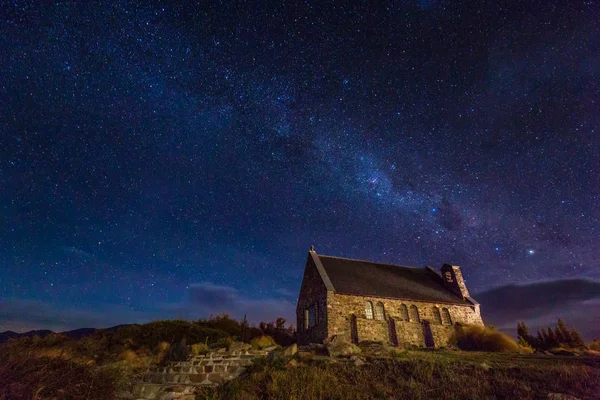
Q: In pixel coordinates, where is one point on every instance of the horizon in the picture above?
(165, 160)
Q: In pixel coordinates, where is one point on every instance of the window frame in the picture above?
(437, 316)
(446, 312)
(311, 310)
(369, 310)
(416, 313)
(379, 311)
(404, 315)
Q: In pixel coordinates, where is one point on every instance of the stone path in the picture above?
(179, 379)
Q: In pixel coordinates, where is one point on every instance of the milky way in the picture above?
(154, 153)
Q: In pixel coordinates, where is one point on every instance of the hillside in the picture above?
(104, 365)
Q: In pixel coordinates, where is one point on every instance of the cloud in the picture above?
(208, 298)
(22, 315)
(576, 301)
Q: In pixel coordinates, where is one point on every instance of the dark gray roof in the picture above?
(366, 278)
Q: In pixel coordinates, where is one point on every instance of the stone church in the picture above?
(364, 300)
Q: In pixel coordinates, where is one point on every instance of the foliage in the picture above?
(178, 352)
(277, 330)
(480, 338)
(199, 348)
(223, 323)
(262, 342)
(594, 345)
(225, 342)
(549, 338)
(151, 334)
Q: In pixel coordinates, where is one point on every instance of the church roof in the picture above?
(366, 278)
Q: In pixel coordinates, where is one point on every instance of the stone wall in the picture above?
(341, 307)
(312, 292)
(370, 329)
(180, 379)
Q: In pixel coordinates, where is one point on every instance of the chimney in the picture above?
(454, 281)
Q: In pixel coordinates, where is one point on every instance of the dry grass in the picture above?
(423, 375)
(262, 342)
(480, 338)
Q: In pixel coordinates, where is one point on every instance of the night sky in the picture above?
(160, 160)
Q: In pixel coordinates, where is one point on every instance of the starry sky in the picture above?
(177, 159)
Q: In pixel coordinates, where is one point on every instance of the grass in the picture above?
(483, 338)
(423, 375)
(98, 366)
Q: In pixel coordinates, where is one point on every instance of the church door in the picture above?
(392, 330)
(427, 334)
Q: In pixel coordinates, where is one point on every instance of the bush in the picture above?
(151, 334)
(480, 338)
(178, 352)
(223, 342)
(595, 345)
(262, 342)
(199, 348)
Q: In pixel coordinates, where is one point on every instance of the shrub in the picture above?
(199, 348)
(151, 334)
(262, 342)
(479, 338)
(127, 355)
(595, 345)
(178, 352)
(223, 342)
(223, 323)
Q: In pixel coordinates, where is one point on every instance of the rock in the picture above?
(358, 362)
(239, 346)
(222, 350)
(293, 363)
(290, 351)
(270, 348)
(125, 395)
(305, 355)
(485, 366)
(560, 396)
(337, 346)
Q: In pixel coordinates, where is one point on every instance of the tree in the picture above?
(564, 332)
(540, 341)
(522, 330)
(552, 339)
(524, 337)
(280, 323)
(577, 341)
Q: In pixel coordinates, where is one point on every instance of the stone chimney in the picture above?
(454, 280)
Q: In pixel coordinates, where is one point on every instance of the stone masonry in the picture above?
(340, 309)
(179, 379)
(315, 292)
(335, 292)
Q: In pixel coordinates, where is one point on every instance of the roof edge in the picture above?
(370, 262)
(457, 303)
(321, 269)
(472, 300)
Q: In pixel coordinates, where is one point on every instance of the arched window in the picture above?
(369, 310)
(379, 311)
(446, 317)
(414, 314)
(404, 312)
(437, 317)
